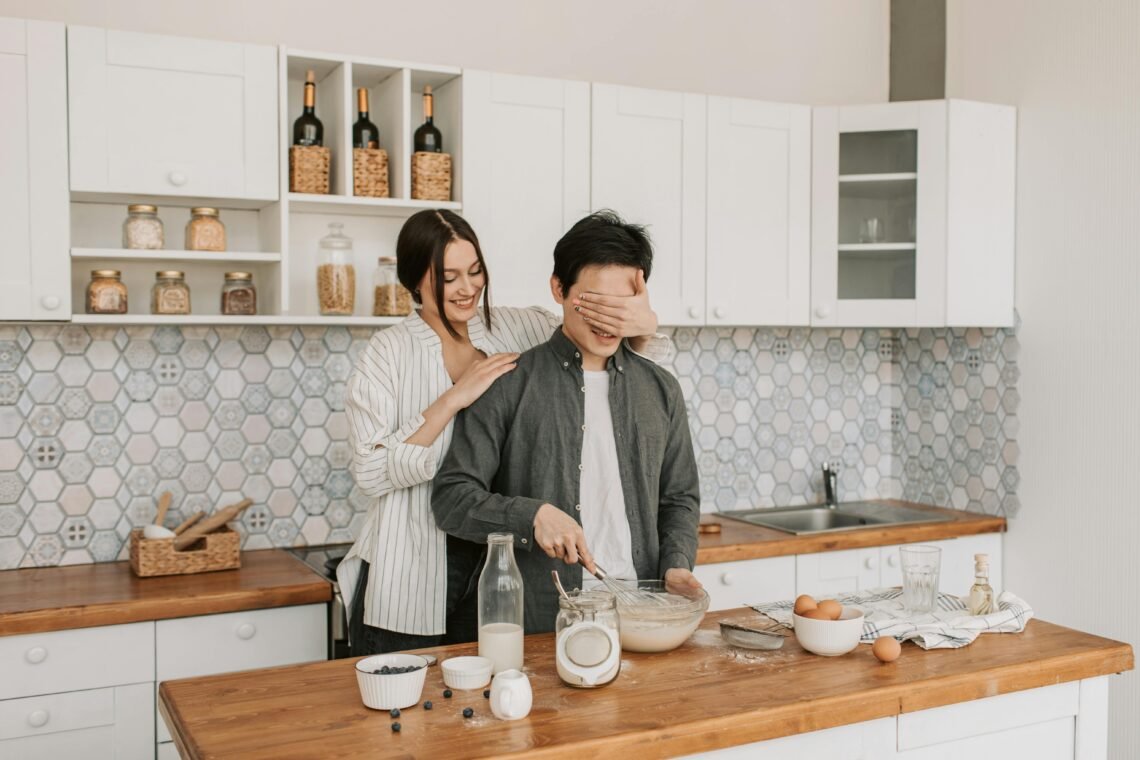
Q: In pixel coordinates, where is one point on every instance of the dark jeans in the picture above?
(464, 561)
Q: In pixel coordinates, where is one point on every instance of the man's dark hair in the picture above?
(601, 239)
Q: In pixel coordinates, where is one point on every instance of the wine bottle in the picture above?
(364, 132)
(427, 137)
(307, 129)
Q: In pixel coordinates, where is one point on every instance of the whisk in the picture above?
(628, 597)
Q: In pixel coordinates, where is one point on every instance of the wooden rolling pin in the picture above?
(185, 524)
(214, 521)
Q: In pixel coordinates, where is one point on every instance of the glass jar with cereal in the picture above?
(170, 294)
(239, 297)
(142, 229)
(336, 275)
(205, 231)
(106, 293)
(391, 299)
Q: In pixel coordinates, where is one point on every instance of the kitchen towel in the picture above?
(948, 627)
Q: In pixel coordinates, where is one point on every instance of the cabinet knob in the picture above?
(727, 578)
(178, 179)
(246, 631)
(718, 313)
(36, 655)
(892, 561)
(870, 563)
(51, 303)
(38, 718)
(822, 311)
(694, 312)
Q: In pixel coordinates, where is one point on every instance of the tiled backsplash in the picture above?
(95, 422)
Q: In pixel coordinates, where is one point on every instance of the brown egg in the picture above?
(816, 614)
(833, 608)
(886, 649)
(804, 603)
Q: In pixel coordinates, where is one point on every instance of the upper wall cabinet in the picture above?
(913, 215)
(33, 171)
(526, 164)
(158, 115)
(724, 187)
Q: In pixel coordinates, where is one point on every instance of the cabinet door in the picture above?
(879, 215)
(526, 160)
(36, 275)
(157, 115)
(759, 213)
(829, 573)
(109, 724)
(737, 584)
(648, 164)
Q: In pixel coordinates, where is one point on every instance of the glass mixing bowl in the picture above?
(655, 620)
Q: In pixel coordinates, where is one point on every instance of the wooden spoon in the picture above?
(163, 505)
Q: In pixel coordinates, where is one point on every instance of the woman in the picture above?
(406, 583)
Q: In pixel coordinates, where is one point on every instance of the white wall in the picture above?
(822, 51)
(1073, 69)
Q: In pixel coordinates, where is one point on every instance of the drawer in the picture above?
(210, 644)
(95, 723)
(83, 658)
(737, 584)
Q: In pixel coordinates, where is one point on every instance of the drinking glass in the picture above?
(871, 230)
(920, 566)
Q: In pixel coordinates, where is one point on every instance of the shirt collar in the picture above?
(569, 356)
(476, 330)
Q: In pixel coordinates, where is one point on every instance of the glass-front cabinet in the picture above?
(911, 226)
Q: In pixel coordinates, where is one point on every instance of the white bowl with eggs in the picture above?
(830, 638)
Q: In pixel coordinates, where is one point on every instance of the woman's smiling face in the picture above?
(463, 283)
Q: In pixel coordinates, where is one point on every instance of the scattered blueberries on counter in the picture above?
(447, 693)
(427, 705)
(486, 693)
(394, 712)
(468, 712)
(396, 728)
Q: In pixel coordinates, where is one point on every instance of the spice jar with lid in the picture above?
(239, 297)
(391, 298)
(106, 293)
(170, 294)
(336, 276)
(205, 231)
(142, 229)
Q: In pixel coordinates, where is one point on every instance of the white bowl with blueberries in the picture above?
(390, 681)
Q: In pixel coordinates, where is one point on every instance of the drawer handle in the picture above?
(727, 578)
(892, 561)
(38, 718)
(870, 563)
(718, 313)
(694, 312)
(36, 655)
(51, 303)
(178, 179)
(246, 631)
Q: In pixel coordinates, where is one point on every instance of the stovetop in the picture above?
(322, 559)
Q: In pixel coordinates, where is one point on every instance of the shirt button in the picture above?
(565, 364)
(577, 507)
(579, 468)
(583, 428)
(577, 355)
(524, 540)
(583, 389)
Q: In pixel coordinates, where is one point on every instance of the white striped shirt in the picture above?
(399, 375)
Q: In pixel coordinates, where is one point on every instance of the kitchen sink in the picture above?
(823, 519)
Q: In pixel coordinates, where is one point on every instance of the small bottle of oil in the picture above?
(981, 593)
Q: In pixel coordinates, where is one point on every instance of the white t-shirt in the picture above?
(603, 504)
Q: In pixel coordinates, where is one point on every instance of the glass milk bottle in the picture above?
(501, 605)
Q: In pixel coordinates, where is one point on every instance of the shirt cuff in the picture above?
(409, 464)
(657, 349)
(674, 559)
(520, 519)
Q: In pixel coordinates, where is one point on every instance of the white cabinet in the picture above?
(737, 584)
(526, 170)
(830, 573)
(33, 179)
(100, 724)
(913, 214)
(758, 260)
(158, 115)
(648, 164)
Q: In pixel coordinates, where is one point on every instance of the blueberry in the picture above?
(468, 712)
(375, 672)
(486, 693)
(447, 693)
(395, 728)
(394, 712)
(385, 670)
(427, 705)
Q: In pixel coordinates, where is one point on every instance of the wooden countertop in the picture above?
(702, 696)
(35, 600)
(740, 541)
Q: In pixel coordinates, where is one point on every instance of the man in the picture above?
(583, 451)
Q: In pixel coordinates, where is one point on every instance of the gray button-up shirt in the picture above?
(519, 446)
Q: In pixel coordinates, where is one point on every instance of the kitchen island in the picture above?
(1041, 693)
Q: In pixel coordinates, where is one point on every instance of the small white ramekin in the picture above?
(385, 691)
(467, 672)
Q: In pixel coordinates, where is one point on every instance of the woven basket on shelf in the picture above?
(431, 176)
(370, 172)
(220, 550)
(309, 169)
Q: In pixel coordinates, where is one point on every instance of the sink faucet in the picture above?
(830, 485)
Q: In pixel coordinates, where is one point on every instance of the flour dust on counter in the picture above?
(96, 420)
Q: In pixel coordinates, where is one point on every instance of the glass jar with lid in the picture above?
(106, 293)
(391, 299)
(239, 297)
(336, 275)
(587, 635)
(170, 294)
(205, 231)
(142, 229)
